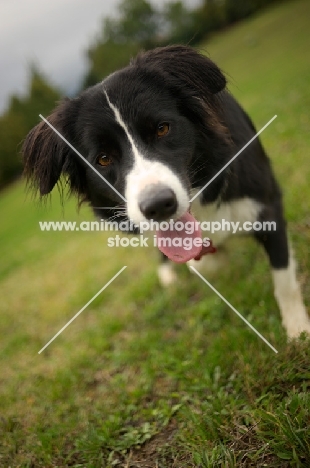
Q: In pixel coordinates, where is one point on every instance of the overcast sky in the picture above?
(52, 33)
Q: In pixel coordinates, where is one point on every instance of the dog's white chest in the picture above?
(220, 221)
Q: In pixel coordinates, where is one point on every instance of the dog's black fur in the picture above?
(207, 127)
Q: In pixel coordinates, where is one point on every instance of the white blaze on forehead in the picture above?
(121, 122)
(144, 173)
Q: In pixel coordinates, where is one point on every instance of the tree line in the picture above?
(138, 25)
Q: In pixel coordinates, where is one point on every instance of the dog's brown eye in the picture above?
(104, 160)
(163, 129)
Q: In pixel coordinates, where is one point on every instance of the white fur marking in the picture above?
(288, 295)
(121, 122)
(144, 173)
(243, 210)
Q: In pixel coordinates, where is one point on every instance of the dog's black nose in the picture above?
(158, 202)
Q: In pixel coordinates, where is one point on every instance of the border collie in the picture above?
(158, 131)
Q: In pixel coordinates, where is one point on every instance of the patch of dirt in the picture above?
(156, 453)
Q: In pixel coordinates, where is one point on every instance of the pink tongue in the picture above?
(179, 246)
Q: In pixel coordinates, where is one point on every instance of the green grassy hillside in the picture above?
(152, 378)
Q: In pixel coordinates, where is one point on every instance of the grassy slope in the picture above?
(175, 373)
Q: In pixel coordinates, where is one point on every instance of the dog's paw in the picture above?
(295, 318)
(294, 314)
(166, 274)
(296, 326)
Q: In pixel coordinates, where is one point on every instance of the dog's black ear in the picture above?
(44, 152)
(186, 65)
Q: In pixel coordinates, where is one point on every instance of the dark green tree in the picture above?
(106, 57)
(21, 115)
(138, 23)
(138, 26)
(179, 23)
(135, 28)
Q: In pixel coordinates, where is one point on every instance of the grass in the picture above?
(153, 378)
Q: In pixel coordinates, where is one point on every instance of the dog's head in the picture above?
(153, 130)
